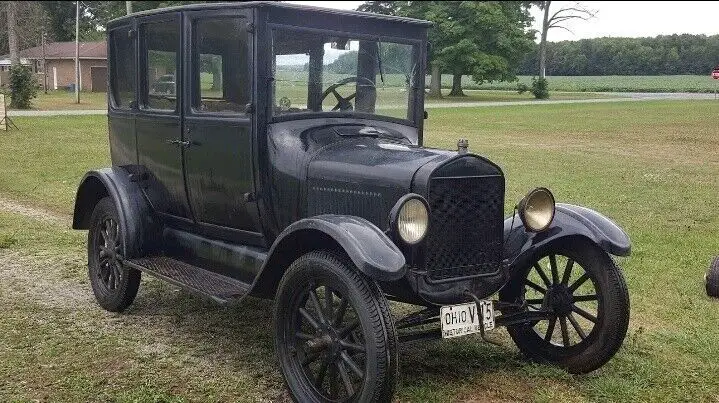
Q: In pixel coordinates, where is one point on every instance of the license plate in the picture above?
(464, 319)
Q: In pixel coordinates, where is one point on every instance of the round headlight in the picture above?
(412, 220)
(536, 210)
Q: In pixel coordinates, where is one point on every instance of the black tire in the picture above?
(114, 285)
(712, 279)
(354, 340)
(578, 349)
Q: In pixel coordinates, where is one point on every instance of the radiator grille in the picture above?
(466, 226)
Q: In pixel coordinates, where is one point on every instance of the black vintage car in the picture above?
(287, 163)
(711, 278)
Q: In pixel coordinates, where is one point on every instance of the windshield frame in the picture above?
(415, 103)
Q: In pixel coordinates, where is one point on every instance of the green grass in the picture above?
(507, 96)
(64, 100)
(650, 165)
(680, 83)
(43, 162)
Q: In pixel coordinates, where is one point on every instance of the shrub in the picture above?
(540, 88)
(23, 87)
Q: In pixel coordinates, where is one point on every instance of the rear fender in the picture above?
(135, 213)
(569, 221)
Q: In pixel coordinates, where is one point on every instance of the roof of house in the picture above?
(65, 50)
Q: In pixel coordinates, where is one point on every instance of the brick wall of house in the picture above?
(66, 72)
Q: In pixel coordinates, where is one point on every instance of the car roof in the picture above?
(281, 5)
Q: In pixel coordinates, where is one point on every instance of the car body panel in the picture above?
(569, 221)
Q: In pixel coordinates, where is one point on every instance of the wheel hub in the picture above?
(559, 299)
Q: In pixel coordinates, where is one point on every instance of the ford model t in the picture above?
(287, 162)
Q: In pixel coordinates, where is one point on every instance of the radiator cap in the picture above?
(462, 146)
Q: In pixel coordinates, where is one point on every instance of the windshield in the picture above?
(322, 73)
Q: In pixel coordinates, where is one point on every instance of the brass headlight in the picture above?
(536, 209)
(410, 217)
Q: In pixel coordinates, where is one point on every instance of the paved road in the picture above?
(614, 97)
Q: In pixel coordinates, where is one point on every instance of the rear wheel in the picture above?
(335, 337)
(114, 285)
(712, 279)
(587, 297)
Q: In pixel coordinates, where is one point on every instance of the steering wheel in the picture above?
(343, 103)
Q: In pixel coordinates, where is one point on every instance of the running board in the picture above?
(203, 282)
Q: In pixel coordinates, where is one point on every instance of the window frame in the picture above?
(144, 90)
(194, 78)
(112, 67)
(413, 120)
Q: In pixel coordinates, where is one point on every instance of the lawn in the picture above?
(678, 83)
(649, 165)
(61, 100)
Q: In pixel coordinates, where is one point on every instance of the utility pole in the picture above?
(128, 6)
(77, 52)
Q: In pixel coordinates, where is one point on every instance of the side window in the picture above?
(122, 67)
(221, 73)
(161, 51)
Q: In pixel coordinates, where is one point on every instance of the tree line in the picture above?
(488, 41)
(661, 55)
(56, 19)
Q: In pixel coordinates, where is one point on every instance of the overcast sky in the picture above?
(615, 18)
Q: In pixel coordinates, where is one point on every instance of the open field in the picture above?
(562, 87)
(682, 83)
(651, 166)
(60, 100)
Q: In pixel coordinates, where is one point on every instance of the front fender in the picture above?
(370, 249)
(569, 221)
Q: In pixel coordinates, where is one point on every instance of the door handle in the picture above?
(180, 143)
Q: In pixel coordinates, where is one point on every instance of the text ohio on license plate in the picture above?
(464, 319)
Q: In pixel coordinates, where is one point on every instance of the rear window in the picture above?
(122, 48)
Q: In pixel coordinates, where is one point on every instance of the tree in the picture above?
(664, 54)
(486, 40)
(12, 7)
(94, 16)
(346, 63)
(557, 20)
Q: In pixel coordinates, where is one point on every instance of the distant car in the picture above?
(712, 278)
(164, 85)
(333, 206)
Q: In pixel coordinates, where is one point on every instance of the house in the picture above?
(60, 64)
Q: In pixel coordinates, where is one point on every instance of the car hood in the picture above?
(371, 162)
(363, 175)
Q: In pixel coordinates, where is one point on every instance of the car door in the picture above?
(158, 124)
(218, 125)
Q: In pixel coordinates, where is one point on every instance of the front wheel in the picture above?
(587, 296)
(335, 337)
